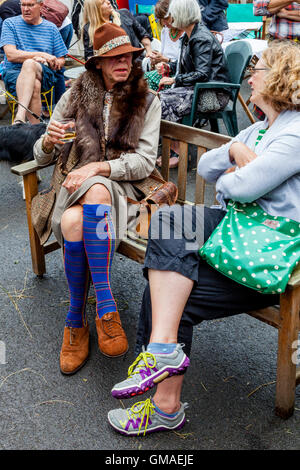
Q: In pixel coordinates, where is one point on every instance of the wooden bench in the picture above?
(286, 317)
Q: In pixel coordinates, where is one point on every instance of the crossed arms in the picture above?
(278, 8)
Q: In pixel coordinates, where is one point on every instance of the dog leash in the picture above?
(74, 58)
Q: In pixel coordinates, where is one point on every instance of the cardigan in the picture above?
(272, 179)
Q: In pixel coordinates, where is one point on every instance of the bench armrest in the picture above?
(28, 167)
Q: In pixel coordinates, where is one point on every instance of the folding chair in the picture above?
(154, 28)
(46, 98)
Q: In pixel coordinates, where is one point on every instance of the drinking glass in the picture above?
(70, 129)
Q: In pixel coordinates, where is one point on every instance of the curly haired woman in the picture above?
(261, 164)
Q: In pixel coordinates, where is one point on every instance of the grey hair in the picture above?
(184, 13)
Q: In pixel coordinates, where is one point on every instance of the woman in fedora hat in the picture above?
(117, 126)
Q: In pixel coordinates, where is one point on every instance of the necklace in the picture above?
(173, 33)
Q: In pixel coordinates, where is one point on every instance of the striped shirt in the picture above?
(43, 37)
(280, 28)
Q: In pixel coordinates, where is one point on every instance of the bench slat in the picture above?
(269, 315)
(192, 135)
(132, 250)
(200, 182)
(182, 170)
(165, 155)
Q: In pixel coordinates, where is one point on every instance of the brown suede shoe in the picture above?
(112, 339)
(75, 349)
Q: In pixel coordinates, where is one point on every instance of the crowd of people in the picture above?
(113, 160)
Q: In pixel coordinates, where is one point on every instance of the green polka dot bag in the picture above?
(254, 248)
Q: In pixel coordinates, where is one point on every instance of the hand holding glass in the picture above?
(69, 127)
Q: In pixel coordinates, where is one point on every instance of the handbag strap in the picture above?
(165, 73)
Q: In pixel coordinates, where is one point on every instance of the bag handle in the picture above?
(165, 73)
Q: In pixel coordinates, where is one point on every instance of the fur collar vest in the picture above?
(130, 100)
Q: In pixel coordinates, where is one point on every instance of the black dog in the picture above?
(16, 142)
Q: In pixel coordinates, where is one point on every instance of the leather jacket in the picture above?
(201, 59)
(133, 28)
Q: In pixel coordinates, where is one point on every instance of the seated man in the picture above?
(117, 125)
(34, 50)
(285, 18)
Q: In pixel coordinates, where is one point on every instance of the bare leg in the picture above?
(72, 218)
(26, 86)
(169, 294)
(71, 224)
(167, 395)
(35, 104)
(97, 194)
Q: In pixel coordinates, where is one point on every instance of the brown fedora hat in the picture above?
(111, 40)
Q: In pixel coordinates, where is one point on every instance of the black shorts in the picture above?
(213, 295)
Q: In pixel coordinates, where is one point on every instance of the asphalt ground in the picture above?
(230, 385)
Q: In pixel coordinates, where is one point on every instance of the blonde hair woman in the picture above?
(98, 12)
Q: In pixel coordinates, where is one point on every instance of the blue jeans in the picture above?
(67, 34)
(60, 88)
(1, 21)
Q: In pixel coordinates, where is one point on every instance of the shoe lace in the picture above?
(72, 335)
(140, 362)
(111, 327)
(143, 410)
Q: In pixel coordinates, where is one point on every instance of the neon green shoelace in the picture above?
(140, 410)
(143, 356)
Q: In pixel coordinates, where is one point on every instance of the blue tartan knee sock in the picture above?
(99, 242)
(76, 269)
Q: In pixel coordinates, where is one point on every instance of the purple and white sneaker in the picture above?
(144, 418)
(149, 369)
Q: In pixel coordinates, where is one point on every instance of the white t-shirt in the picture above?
(169, 48)
(65, 23)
